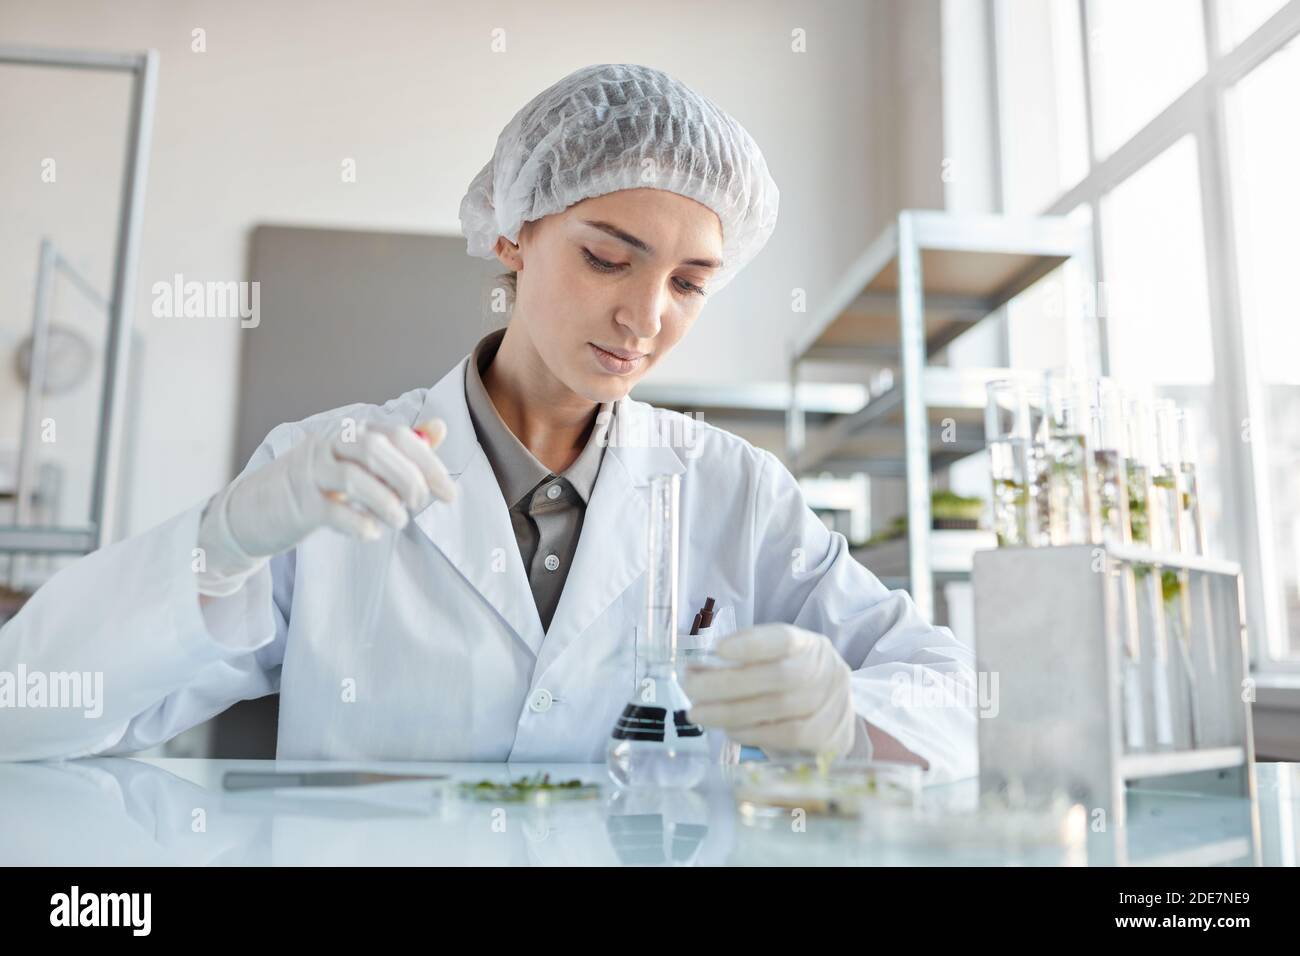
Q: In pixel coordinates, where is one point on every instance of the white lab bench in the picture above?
(168, 811)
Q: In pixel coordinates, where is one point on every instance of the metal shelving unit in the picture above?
(929, 277)
(763, 402)
(22, 537)
(1055, 631)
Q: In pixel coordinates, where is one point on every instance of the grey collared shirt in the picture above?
(546, 510)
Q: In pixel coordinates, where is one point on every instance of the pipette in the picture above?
(385, 561)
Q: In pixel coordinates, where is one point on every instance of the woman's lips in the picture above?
(612, 363)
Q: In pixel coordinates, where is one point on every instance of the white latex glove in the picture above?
(348, 479)
(788, 690)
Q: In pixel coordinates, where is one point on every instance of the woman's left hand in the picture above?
(787, 689)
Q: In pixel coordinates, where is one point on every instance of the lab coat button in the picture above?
(552, 562)
(553, 492)
(540, 702)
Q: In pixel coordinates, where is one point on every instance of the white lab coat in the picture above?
(459, 667)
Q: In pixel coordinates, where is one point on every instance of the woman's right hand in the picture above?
(350, 479)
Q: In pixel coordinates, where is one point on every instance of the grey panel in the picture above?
(350, 316)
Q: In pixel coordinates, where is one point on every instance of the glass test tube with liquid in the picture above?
(1006, 432)
(1175, 585)
(1139, 456)
(1106, 440)
(1072, 511)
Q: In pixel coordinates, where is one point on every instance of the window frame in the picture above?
(1201, 112)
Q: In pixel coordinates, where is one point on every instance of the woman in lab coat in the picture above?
(516, 515)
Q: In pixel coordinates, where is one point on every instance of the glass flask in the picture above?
(653, 744)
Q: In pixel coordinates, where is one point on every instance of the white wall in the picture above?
(918, 53)
(910, 66)
(255, 129)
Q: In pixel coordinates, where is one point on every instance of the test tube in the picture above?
(1110, 493)
(1072, 512)
(1006, 433)
(1192, 520)
(1175, 584)
(1215, 696)
(1166, 531)
(1038, 472)
(1106, 436)
(1139, 454)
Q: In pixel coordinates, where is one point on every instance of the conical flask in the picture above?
(653, 743)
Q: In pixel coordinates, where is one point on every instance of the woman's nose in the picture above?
(642, 314)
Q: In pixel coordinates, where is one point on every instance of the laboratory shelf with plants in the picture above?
(927, 279)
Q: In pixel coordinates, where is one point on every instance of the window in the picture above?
(1264, 141)
(1043, 330)
(1238, 19)
(1130, 84)
(1157, 301)
(1040, 84)
(1189, 107)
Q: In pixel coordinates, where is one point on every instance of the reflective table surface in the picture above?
(136, 811)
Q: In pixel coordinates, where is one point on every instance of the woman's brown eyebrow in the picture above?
(645, 247)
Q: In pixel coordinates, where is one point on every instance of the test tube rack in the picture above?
(1050, 623)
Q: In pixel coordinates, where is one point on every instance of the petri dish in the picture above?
(768, 790)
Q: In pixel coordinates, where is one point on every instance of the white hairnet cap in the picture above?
(622, 126)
